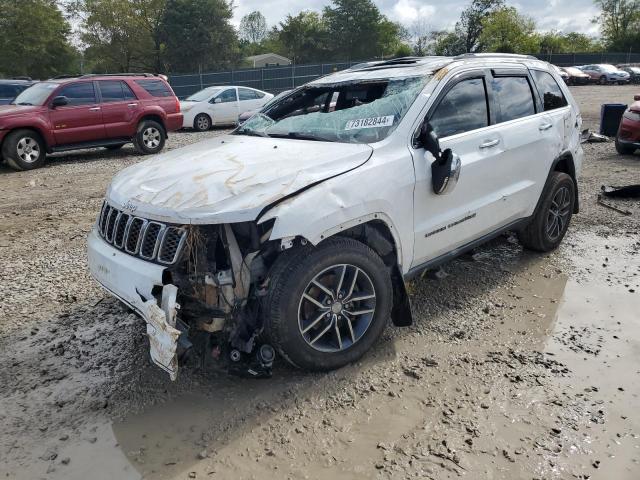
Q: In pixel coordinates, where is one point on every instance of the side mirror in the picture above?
(60, 101)
(217, 100)
(445, 169)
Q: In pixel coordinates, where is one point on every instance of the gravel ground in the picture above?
(519, 366)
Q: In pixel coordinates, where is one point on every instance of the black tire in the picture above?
(24, 150)
(149, 138)
(115, 147)
(603, 80)
(624, 149)
(291, 276)
(202, 122)
(536, 235)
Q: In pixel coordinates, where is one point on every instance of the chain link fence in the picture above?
(277, 79)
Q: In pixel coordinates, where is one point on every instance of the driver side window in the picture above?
(463, 108)
(228, 96)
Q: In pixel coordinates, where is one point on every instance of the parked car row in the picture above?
(603, 74)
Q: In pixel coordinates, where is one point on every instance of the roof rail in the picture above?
(494, 55)
(22, 77)
(91, 75)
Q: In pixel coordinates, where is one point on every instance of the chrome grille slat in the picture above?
(147, 239)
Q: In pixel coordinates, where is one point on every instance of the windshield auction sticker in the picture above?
(372, 122)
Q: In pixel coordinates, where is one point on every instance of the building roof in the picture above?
(265, 56)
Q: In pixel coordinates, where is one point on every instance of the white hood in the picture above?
(230, 178)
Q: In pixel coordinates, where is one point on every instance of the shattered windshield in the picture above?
(349, 112)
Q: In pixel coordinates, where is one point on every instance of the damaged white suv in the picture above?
(299, 228)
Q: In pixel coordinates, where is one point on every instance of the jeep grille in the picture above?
(147, 239)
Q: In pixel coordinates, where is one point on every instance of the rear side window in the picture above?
(514, 96)
(156, 88)
(79, 93)
(549, 90)
(246, 94)
(463, 108)
(8, 91)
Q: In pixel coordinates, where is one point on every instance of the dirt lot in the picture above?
(519, 366)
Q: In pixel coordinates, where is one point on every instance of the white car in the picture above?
(299, 229)
(220, 106)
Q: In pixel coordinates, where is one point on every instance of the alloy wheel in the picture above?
(151, 137)
(28, 150)
(558, 215)
(202, 122)
(337, 308)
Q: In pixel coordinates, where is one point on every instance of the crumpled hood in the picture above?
(229, 178)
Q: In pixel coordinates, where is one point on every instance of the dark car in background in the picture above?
(634, 73)
(576, 76)
(12, 87)
(71, 113)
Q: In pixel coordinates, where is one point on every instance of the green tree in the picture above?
(253, 27)
(34, 39)
(469, 27)
(620, 24)
(358, 31)
(447, 43)
(508, 31)
(121, 35)
(198, 35)
(302, 37)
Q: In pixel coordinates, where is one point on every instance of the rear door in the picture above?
(248, 99)
(224, 107)
(120, 108)
(531, 140)
(81, 119)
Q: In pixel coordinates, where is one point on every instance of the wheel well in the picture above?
(377, 235)
(33, 129)
(565, 164)
(155, 118)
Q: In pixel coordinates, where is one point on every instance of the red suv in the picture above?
(84, 112)
(628, 138)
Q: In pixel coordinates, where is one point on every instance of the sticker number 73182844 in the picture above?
(371, 122)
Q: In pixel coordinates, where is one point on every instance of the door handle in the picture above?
(132, 105)
(545, 126)
(489, 143)
(94, 109)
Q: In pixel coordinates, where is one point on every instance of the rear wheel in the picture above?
(24, 150)
(327, 305)
(623, 149)
(149, 138)
(603, 80)
(553, 215)
(202, 122)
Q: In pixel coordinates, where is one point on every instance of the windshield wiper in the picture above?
(300, 136)
(252, 133)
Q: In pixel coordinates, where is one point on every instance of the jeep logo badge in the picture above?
(129, 206)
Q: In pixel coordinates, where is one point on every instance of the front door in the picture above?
(225, 107)
(81, 119)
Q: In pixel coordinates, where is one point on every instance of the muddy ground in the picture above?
(519, 365)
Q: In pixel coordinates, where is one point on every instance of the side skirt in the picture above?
(447, 257)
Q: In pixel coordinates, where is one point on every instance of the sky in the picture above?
(563, 15)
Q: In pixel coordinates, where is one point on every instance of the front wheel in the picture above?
(327, 305)
(149, 138)
(552, 216)
(24, 150)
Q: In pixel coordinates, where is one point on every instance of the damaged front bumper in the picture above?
(134, 282)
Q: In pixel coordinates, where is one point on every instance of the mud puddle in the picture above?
(546, 387)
